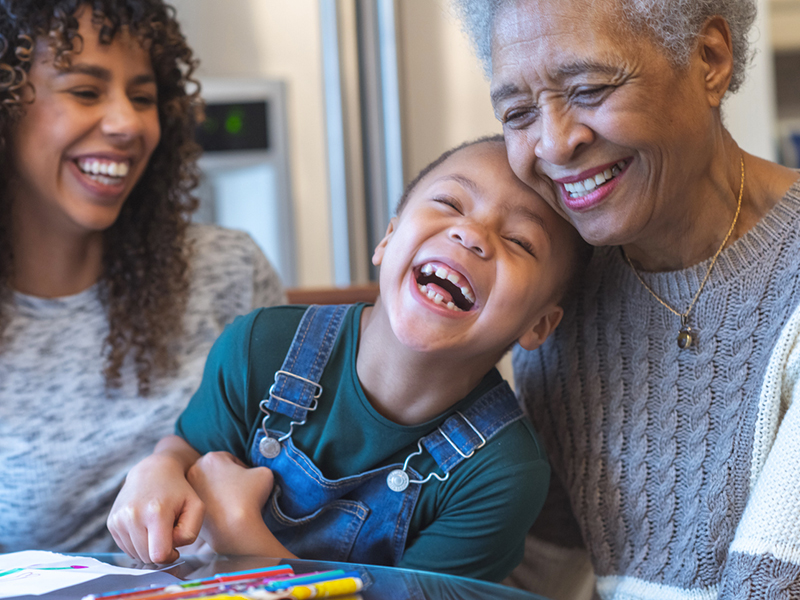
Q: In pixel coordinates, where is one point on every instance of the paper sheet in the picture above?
(34, 572)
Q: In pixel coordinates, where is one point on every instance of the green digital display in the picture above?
(235, 126)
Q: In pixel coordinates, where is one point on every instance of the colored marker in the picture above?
(326, 589)
(284, 584)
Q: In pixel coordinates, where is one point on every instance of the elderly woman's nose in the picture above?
(561, 135)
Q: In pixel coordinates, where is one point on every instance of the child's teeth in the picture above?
(467, 294)
(450, 305)
(431, 294)
(441, 273)
(454, 278)
(438, 298)
(427, 269)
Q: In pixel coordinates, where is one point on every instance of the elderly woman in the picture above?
(667, 395)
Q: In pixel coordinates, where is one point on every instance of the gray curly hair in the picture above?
(673, 24)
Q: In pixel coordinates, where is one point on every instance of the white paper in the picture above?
(36, 572)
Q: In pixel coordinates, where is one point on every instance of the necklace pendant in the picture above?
(686, 337)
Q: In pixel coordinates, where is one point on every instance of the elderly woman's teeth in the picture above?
(581, 188)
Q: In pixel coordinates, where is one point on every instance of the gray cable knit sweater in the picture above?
(682, 467)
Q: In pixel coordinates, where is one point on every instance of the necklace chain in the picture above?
(685, 315)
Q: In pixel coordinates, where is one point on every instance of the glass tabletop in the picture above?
(385, 583)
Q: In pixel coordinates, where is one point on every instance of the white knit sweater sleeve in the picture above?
(764, 557)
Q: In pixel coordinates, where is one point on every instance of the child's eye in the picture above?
(522, 244)
(448, 201)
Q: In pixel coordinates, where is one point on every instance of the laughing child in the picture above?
(377, 434)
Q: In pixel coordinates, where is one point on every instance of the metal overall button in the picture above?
(269, 447)
(397, 480)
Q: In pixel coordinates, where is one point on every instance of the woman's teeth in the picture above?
(105, 171)
(581, 188)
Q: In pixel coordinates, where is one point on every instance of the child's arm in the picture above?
(234, 496)
(157, 510)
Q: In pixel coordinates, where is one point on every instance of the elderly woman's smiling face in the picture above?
(622, 134)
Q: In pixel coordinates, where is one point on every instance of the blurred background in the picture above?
(321, 110)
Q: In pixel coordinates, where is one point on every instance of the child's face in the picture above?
(475, 259)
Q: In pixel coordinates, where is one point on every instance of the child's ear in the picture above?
(377, 256)
(536, 335)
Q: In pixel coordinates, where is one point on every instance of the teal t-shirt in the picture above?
(474, 524)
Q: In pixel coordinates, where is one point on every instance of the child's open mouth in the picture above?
(445, 286)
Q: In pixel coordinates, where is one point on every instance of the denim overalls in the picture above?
(365, 517)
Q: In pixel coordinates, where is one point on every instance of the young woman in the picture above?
(109, 298)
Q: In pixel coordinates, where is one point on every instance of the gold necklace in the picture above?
(687, 336)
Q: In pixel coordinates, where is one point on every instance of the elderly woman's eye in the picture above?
(518, 117)
(590, 95)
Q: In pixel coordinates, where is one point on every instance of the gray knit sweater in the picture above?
(66, 443)
(682, 467)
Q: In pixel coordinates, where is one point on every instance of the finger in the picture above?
(121, 540)
(159, 543)
(237, 460)
(189, 523)
(121, 532)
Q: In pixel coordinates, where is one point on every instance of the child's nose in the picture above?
(473, 237)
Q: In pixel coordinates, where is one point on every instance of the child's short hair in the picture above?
(582, 251)
(497, 138)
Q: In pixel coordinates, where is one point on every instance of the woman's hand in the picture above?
(234, 496)
(157, 510)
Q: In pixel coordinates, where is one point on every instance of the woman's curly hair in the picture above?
(145, 280)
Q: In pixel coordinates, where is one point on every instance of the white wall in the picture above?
(276, 39)
(749, 114)
(445, 95)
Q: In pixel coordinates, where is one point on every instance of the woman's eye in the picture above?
(85, 94)
(518, 117)
(145, 100)
(591, 95)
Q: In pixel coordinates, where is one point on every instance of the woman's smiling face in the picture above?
(621, 133)
(86, 139)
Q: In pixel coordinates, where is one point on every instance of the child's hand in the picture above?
(233, 495)
(157, 510)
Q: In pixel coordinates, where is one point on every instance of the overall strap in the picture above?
(463, 433)
(296, 386)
